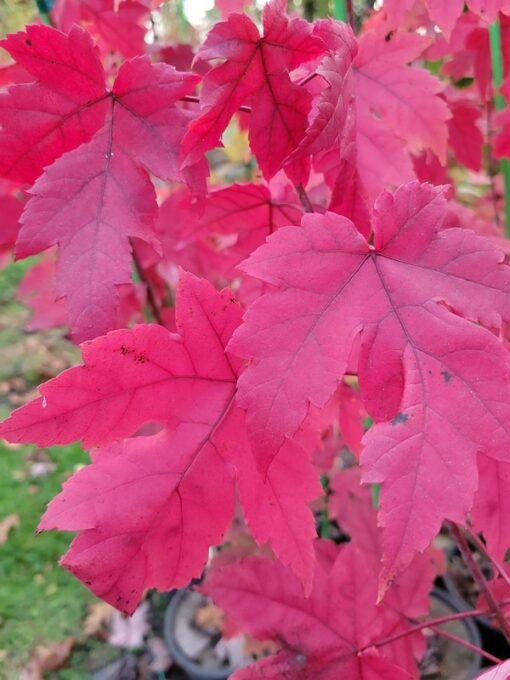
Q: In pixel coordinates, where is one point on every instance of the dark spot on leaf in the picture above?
(88, 583)
(140, 359)
(399, 419)
(28, 42)
(447, 376)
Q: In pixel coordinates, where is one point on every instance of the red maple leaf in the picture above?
(337, 631)
(121, 29)
(95, 197)
(256, 72)
(187, 383)
(417, 364)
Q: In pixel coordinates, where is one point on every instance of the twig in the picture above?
(303, 197)
(496, 563)
(151, 298)
(196, 100)
(479, 578)
(472, 613)
(464, 643)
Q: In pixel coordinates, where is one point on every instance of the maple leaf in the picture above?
(226, 7)
(92, 199)
(187, 383)
(333, 633)
(256, 72)
(499, 672)
(416, 363)
(465, 137)
(490, 508)
(489, 9)
(248, 212)
(406, 99)
(147, 511)
(357, 151)
(10, 210)
(445, 14)
(120, 28)
(63, 108)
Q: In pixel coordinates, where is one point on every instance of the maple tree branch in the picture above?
(457, 616)
(151, 298)
(303, 197)
(496, 563)
(464, 643)
(479, 578)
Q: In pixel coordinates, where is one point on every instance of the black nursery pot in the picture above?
(193, 669)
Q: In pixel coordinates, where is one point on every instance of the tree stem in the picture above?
(479, 578)
(340, 10)
(464, 643)
(303, 197)
(499, 103)
(496, 563)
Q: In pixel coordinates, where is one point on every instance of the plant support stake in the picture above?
(340, 10)
(499, 103)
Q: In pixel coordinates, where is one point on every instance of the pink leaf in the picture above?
(145, 374)
(416, 362)
(491, 506)
(64, 107)
(331, 634)
(120, 29)
(256, 72)
(445, 14)
(406, 99)
(93, 199)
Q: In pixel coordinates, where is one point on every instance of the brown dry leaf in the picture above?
(6, 525)
(209, 618)
(46, 658)
(98, 619)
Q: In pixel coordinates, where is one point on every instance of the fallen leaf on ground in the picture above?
(6, 525)
(46, 658)
(98, 617)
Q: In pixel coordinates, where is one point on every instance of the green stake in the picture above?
(340, 10)
(499, 103)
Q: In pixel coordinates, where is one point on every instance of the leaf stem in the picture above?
(472, 613)
(496, 563)
(499, 103)
(303, 197)
(196, 100)
(479, 578)
(464, 643)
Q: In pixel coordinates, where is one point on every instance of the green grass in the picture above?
(39, 601)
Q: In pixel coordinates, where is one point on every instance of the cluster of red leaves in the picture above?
(246, 386)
